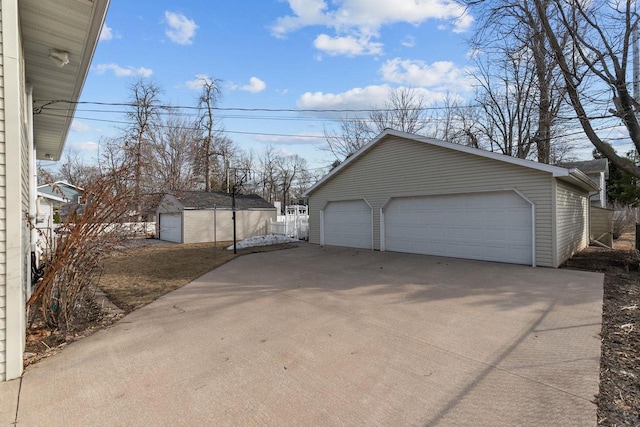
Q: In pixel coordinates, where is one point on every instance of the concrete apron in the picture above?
(335, 336)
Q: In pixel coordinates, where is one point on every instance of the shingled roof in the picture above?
(203, 200)
(588, 166)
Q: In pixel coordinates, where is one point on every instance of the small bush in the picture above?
(73, 261)
(624, 220)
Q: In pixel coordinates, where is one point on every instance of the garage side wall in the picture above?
(199, 224)
(398, 167)
(572, 221)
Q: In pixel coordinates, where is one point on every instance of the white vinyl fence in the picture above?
(295, 223)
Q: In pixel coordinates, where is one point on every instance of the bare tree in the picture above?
(507, 104)
(513, 27)
(207, 102)
(404, 111)
(289, 170)
(174, 141)
(268, 181)
(144, 111)
(354, 134)
(75, 171)
(595, 69)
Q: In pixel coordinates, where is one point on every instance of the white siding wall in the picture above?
(572, 221)
(14, 192)
(3, 244)
(199, 224)
(397, 167)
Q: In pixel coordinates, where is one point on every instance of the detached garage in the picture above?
(406, 193)
(197, 217)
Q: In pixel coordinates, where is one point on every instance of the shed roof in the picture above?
(204, 200)
(573, 175)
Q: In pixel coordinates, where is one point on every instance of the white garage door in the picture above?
(171, 227)
(484, 226)
(348, 223)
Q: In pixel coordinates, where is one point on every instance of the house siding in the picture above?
(198, 225)
(14, 191)
(3, 242)
(572, 221)
(401, 167)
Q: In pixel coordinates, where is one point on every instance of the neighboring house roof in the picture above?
(589, 166)
(62, 189)
(62, 28)
(204, 200)
(51, 197)
(573, 175)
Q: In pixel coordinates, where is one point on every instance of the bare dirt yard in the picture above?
(619, 397)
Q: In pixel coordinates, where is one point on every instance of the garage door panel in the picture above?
(487, 226)
(348, 223)
(171, 227)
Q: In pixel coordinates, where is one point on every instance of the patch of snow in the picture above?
(269, 239)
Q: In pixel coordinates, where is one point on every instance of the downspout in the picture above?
(33, 188)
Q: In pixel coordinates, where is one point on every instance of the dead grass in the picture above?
(141, 275)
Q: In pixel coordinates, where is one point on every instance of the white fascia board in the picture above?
(579, 179)
(52, 197)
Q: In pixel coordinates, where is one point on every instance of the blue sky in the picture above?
(275, 54)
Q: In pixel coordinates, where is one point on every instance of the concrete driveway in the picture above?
(334, 336)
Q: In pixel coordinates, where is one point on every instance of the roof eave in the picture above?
(579, 179)
(51, 131)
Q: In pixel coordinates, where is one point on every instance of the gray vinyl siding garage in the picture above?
(572, 219)
(199, 217)
(397, 165)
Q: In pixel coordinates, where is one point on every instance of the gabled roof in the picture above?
(71, 26)
(61, 189)
(589, 166)
(204, 200)
(574, 176)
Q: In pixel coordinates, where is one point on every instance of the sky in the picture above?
(275, 55)
(275, 61)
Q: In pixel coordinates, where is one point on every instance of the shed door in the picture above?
(171, 227)
(348, 223)
(483, 226)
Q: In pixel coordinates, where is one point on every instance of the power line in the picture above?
(47, 103)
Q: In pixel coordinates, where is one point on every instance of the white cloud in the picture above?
(198, 82)
(106, 33)
(348, 45)
(84, 146)
(255, 85)
(180, 29)
(473, 53)
(358, 19)
(123, 71)
(441, 75)
(78, 126)
(305, 139)
(408, 41)
(359, 98)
